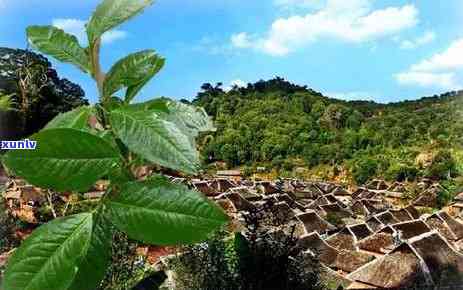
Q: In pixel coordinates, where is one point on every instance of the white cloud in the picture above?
(441, 70)
(239, 83)
(445, 81)
(346, 20)
(241, 40)
(426, 38)
(77, 28)
(451, 58)
(352, 96)
(113, 35)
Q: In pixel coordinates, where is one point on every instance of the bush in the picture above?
(444, 197)
(209, 265)
(443, 166)
(364, 169)
(401, 172)
(334, 219)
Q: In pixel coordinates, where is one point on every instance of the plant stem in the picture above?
(50, 203)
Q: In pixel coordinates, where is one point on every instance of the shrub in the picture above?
(401, 172)
(334, 219)
(235, 261)
(444, 197)
(209, 265)
(127, 268)
(443, 166)
(364, 169)
(264, 256)
(7, 227)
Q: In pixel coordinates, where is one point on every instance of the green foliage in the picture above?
(104, 141)
(401, 172)
(7, 228)
(6, 102)
(364, 169)
(35, 93)
(444, 197)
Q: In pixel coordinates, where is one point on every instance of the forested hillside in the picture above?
(281, 125)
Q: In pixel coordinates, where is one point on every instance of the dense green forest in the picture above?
(281, 125)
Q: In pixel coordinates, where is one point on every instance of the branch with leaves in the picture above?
(89, 143)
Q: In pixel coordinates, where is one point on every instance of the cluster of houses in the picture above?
(372, 237)
(365, 239)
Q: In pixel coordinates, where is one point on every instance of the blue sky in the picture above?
(352, 49)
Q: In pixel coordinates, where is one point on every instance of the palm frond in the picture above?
(6, 102)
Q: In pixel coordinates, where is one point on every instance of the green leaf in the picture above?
(159, 212)
(55, 255)
(132, 72)
(6, 102)
(65, 160)
(155, 139)
(60, 45)
(75, 119)
(156, 105)
(95, 263)
(190, 118)
(111, 13)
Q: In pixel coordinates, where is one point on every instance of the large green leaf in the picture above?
(95, 263)
(57, 43)
(155, 139)
(132, 72)
(190, 118)
(55, 255)
(65, 160)
(76, 119)
(159, 212)
(111, 13)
